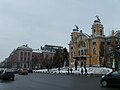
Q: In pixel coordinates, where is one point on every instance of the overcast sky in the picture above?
(40, 22)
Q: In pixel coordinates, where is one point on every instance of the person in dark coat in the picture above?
(86, 71)
(71, 70)
(82, 71)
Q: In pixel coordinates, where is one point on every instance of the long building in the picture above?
(26, 57)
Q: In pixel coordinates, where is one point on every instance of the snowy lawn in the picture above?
(90, 70)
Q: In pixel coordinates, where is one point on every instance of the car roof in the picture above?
(8, 70)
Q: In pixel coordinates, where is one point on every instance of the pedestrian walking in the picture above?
(68, 70)
(86, 71)
(82, 71)
(71, 70)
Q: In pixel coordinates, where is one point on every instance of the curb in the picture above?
(46, 72)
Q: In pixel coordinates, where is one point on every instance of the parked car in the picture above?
(1, 71)
(15, 70)
(112, 78)
(7, 75)
(23, 71)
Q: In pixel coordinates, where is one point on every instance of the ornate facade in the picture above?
(96, 49)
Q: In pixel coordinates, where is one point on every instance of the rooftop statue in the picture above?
(76, 28)
(98, 19)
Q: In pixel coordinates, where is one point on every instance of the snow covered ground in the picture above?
(90, 70)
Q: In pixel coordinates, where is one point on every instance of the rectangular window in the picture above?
(85, 51)
(117, 43)
(28, 53)
(25, 53)
(102, 43)
(79, 52)
(24, 59)
(28, 58)
(21, 53)
(94, 43)
(21, 59)
(108, 43)
(74, 53)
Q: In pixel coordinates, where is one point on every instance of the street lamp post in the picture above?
(115, 57)
(118, 56)
(113, 63)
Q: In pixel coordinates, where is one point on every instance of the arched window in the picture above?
(84, 44)
(94, 50)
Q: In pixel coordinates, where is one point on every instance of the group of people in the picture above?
(83, 71)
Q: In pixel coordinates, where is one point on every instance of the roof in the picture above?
(25, 47)
(53, 46)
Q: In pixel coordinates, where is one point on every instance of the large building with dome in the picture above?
(96, 49)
